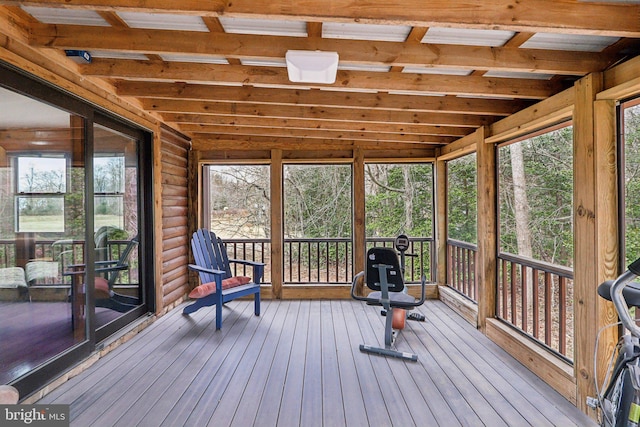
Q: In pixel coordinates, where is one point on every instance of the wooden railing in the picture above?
(314, 261)
(65, 252)
(7, 253)
(537, 298)
(415, 266)
(252, 250)
(461, 268)
(325, 261)
(306, 261)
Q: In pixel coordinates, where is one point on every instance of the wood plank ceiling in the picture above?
(411, 74)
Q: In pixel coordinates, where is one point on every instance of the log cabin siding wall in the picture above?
(175, 250)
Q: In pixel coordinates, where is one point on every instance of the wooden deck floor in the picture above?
(298, 364)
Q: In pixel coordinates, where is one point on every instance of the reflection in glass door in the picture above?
(42, 228)
(117, 288)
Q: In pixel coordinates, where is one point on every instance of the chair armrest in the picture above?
(247, 262)
(101, 263)
(258, 268)
(109, 269)
(206, 270)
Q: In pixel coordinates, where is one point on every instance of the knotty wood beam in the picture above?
(315, 134)
(415, 37)
(326, 148)
(308, 98)
(215, 26)
(262, 122)
(248, 46)
(525, 15)
(345, 80)
(313, 113)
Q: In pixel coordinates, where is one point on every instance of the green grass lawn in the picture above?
(55, 223)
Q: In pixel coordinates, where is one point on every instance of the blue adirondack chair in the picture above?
(213, 266)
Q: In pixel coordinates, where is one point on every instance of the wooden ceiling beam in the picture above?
(315, 113)
(345, 80)
(206, 142)
(597, 18)
(315, 134)
(292, 123)
(315, 98)
(248, 46)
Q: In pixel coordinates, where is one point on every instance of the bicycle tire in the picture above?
(616, 401)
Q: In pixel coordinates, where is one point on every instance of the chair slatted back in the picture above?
(210, 252)
(123, 261)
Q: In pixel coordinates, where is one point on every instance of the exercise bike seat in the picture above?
(396, 299)
(631, 292)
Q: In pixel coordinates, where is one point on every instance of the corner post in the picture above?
(486, 264)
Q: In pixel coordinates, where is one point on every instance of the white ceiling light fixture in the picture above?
(308, 66)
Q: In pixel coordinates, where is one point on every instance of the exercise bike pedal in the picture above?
(418, 317)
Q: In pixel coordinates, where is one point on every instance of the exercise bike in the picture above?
(400, 315)
(386, 279)
(619, 402)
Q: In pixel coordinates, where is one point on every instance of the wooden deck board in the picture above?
(528, 405)
(246, 413)
(375, 407)
(332, 411)
(299, 364)
(274, 387)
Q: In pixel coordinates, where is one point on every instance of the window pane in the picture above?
(399, 199)
(317, 224)
(41, 175)
(116, 224)
(536, 197)
(239, 203)
(40, 214)
(462, 192)
(317, 201)
(108, 174)
(631, 112)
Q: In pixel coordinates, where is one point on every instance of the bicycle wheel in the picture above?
(617, 399)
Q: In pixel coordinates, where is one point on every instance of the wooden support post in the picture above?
(587, 254)
(607, 225)
(441, 221)
(359, 235)
(276, 223)
(193, 204)
(487, 229)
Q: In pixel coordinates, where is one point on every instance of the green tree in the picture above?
(399, 199)
(462, 196)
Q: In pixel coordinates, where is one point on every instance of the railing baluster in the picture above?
(525, 302)
(536, 302)
(504, 289)
(547, 308)
(513, 294)
(562, 304)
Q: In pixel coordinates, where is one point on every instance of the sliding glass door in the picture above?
(73, 241)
